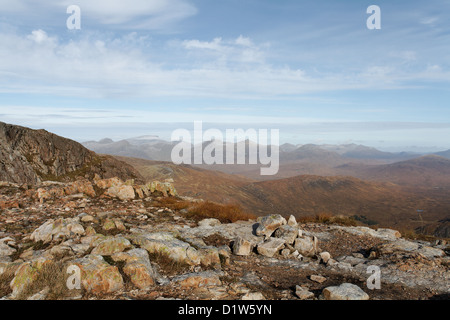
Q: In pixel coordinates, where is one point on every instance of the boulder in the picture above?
(292, 221)
(26, 274)
(111, 245)
(175, 249)
(345, 291)
(209, 222)
(5, 247)
(242, 247)
(60, 229)
(268, 225)
(137, 267)
(287, 233)
(122, 192)
(97, 276)
(271, 247)
(306, 246)
(80, 186)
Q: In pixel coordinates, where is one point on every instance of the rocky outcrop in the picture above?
(31, 156)
(140, 249)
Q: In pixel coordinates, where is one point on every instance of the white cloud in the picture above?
(98, 67)
(131, 14)
(429, 20)
(215, 45)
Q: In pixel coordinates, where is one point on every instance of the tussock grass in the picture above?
(54, 277)
(225, 213)
(5, 279)
(327, 218)
(167, 265)
(171, 203)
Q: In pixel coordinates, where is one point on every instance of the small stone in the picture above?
(303, 293)
(87, 218)
(318, 278)
(242, 247)
(292, 221)
(253, 296)
(325, 256)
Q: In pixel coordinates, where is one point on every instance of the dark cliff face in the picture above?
(30, 156)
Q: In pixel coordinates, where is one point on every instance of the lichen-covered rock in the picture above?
(97, 276)
(122, 192)
(175, 249)
(166, 188)
(111, 245)
(80, 186)
(138, 267)
(54, 230)
(26, 274)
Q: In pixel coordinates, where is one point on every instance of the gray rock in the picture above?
(306, 246)
(268, 225)
(287, 233)
(253, 296)
(209, 223)
(242, 247)
(345, 291)
(271, 247)
(292, 221)
(303, 293)
(5, 248)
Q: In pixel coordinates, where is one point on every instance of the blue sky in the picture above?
(310, 68)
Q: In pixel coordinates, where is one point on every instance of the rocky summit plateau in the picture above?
(131, 241)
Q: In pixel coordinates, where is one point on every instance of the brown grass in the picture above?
(167, 265)
(5, 279)
(171, 203)
(225, 213)
(54, 277)
(413, 235)
(326, 218)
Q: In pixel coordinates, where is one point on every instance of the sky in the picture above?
(312, 69)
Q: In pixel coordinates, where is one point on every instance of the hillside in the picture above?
(380, 203)
(30, 156)
(192, 181)
(428, 171)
